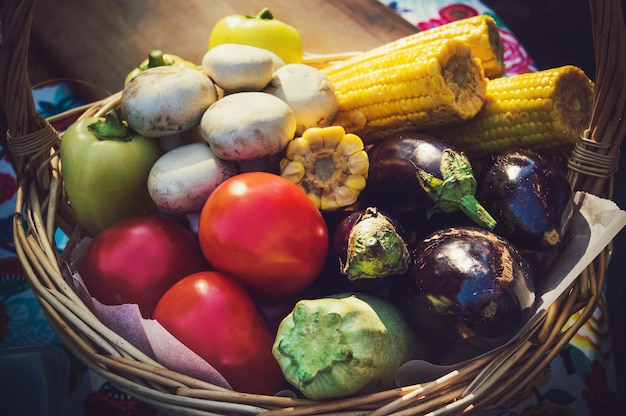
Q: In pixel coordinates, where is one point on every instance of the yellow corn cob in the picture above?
(409, 88)
(328, 164)
(480, 32)
(540, 110)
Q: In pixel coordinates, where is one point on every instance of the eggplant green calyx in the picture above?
(265, 14)
(457, 189)
(111, 127)
(319, 329)
(375, 248)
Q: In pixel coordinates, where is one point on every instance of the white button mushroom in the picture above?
(166, 100)
(248, 127)
(182, 179)
(238, 68)
(308, 92)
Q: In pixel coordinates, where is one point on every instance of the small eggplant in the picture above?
(470, 289)
(414, 170)
(370, 246)
(531, 199)
(392, 181)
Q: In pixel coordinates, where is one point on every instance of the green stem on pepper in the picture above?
(157, 58)
(111, 127)
(265, 14)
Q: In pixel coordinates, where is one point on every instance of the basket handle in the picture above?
(595, 158)
(28, 134)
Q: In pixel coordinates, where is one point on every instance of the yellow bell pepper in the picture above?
(262, 31)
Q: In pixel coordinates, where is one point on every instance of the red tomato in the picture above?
(265, 232)
(137, 259)
(215, 317)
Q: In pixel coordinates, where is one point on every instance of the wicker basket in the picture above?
(40, 209)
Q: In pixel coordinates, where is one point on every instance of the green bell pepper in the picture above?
(105, 167)
(262, 31)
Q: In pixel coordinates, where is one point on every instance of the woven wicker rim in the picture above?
(481, 384)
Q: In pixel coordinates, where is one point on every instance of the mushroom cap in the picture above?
(248, 125)
(166, 100)
(182, 179)
(309, 94)
(237, 68)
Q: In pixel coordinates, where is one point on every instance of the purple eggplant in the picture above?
(470, 289)
(413, 170)
(530, 198)
(392, 181)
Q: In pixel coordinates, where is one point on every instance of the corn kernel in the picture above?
(346, 196)
(294, 171)
(358, 163)
(298, 147)
(332, 136)
(356, 182)
(314, 139)
(350, 144)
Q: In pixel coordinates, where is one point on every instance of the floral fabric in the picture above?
(425, 14)
(579, 381)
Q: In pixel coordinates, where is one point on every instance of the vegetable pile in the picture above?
(315, 228)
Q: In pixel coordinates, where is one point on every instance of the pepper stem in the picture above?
(265, 14)
(156, 58)
(111, 127)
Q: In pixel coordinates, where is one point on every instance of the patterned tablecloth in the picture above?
(579, 381)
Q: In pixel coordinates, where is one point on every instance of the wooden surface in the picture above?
(99, 42)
